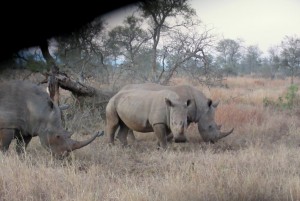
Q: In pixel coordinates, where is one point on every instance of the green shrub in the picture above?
(288, 101)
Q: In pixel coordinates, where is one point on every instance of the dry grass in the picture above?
(259, 161)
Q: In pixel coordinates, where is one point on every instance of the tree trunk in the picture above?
(53, 85)
(83, 93)
(154, 67)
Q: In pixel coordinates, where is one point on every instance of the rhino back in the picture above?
(23, 105)
(12, 106)
(145, 86)
(185, 92)
(140, 109)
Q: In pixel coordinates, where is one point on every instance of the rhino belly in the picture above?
(136, 122)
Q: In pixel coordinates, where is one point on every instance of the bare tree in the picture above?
(159, 12)
(290, 54)
(82, 51)
(126, 42)
(229, 54)
(185, 46)
(251, 61)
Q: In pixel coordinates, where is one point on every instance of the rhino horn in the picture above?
(224, 134)
(79, 144)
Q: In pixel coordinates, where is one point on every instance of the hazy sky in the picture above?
(258, 22)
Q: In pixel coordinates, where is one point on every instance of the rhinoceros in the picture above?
(201, 111)
(147, 111)
(26, 111)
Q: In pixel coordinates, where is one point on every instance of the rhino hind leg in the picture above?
(122, 134)
(22, 142)
(160, 131)
(6, 136)
(112, 122)
(131, 135)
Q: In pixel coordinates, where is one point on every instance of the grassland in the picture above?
(259, 161)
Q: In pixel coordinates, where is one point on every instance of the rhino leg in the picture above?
(6, 136)
(112, 122)
(130, 135)
(170, 137)
(160, 131)
(22, 142)
(122, 134)
(110, 130)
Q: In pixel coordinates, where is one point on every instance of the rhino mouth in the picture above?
(213, 137)
(180, 139)
(221, 135)
(224, 134)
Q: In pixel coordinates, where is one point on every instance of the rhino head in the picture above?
(60, 144)
(207, 127)
(178, 118)
(55, 138)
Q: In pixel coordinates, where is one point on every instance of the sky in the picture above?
(264, 23)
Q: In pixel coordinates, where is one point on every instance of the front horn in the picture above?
(224, 134)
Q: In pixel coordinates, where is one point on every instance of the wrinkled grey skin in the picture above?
(201, 111)
(147, 111)
(26, 111)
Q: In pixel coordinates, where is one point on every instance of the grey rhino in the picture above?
(201, 111)
(147, 111)
(26, 111)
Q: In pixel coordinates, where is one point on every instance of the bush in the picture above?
(288, 101)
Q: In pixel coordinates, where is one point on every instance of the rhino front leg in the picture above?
(22, 142)
(170, 137)
(160, 131)
(6, 136)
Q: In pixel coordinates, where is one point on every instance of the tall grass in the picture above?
(259, 161)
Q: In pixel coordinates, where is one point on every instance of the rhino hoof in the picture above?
(181, 140)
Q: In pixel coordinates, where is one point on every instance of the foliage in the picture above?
(31, 59)
(290, 54)
(288, 101)
(165, 17)
(251, 61)
(159, 40)
(229, 53)
(36, 66)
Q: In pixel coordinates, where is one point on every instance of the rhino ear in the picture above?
(168, 102)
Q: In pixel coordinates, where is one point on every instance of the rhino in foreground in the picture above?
(160, 112)
(201, 110)
(26, 111)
